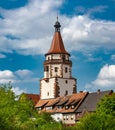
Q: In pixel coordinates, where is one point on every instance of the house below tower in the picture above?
(70, 109)
(58, 88)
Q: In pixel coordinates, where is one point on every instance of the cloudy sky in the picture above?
(88, 31)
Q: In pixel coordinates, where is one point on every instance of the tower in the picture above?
(58, 80)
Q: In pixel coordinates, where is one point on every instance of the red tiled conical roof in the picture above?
(57, 45)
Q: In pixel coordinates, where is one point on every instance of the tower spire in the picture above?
(57, 46)
(57, 80)
(57, 25)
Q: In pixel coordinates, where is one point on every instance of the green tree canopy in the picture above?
(18, 113)
(15, 114)
(107, 105)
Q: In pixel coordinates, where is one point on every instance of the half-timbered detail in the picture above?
(58, 79)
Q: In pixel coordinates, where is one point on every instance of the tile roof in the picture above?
(52, 102)
(57, 45)
(77, 99)
(61, 102)
(41, 103)
(90, 102)
(34, 97)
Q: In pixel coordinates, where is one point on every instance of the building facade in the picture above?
(58, 80)
(58, 94)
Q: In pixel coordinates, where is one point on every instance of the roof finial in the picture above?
(57, 16)
(57, 25)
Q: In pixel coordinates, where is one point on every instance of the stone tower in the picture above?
(58, 80)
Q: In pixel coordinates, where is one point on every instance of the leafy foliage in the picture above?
(20, 114)
(107, 105)
(14, 114)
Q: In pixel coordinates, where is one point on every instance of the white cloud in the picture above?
(7, 76)
(18, 91)
(19, 76)
(24, 74)
(28, 30)
(98, 9)
(105, 79)
(89, 11)
(87, 34)
(108, 71)
(29, 26)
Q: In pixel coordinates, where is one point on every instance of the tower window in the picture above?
(66, 69)
(47, 93)
(56, 69)
(66, 81)
(63, 57)
(66, 92)
(46, 68)
(48, 58)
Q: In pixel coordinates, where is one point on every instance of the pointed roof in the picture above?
(57, 45)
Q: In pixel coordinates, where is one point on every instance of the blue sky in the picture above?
(88, 31)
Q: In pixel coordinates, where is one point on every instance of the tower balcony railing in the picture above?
(53, 61)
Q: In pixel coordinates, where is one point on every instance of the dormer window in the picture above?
(49, 108)
(66, 107)
(72, 106)
(59, 107)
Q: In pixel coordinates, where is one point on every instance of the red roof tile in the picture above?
(41, 103)
(57, 45)
(74, 99)
(34, 97)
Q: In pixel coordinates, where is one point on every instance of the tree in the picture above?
(107, 105)
(15, 114)
(18, 113)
